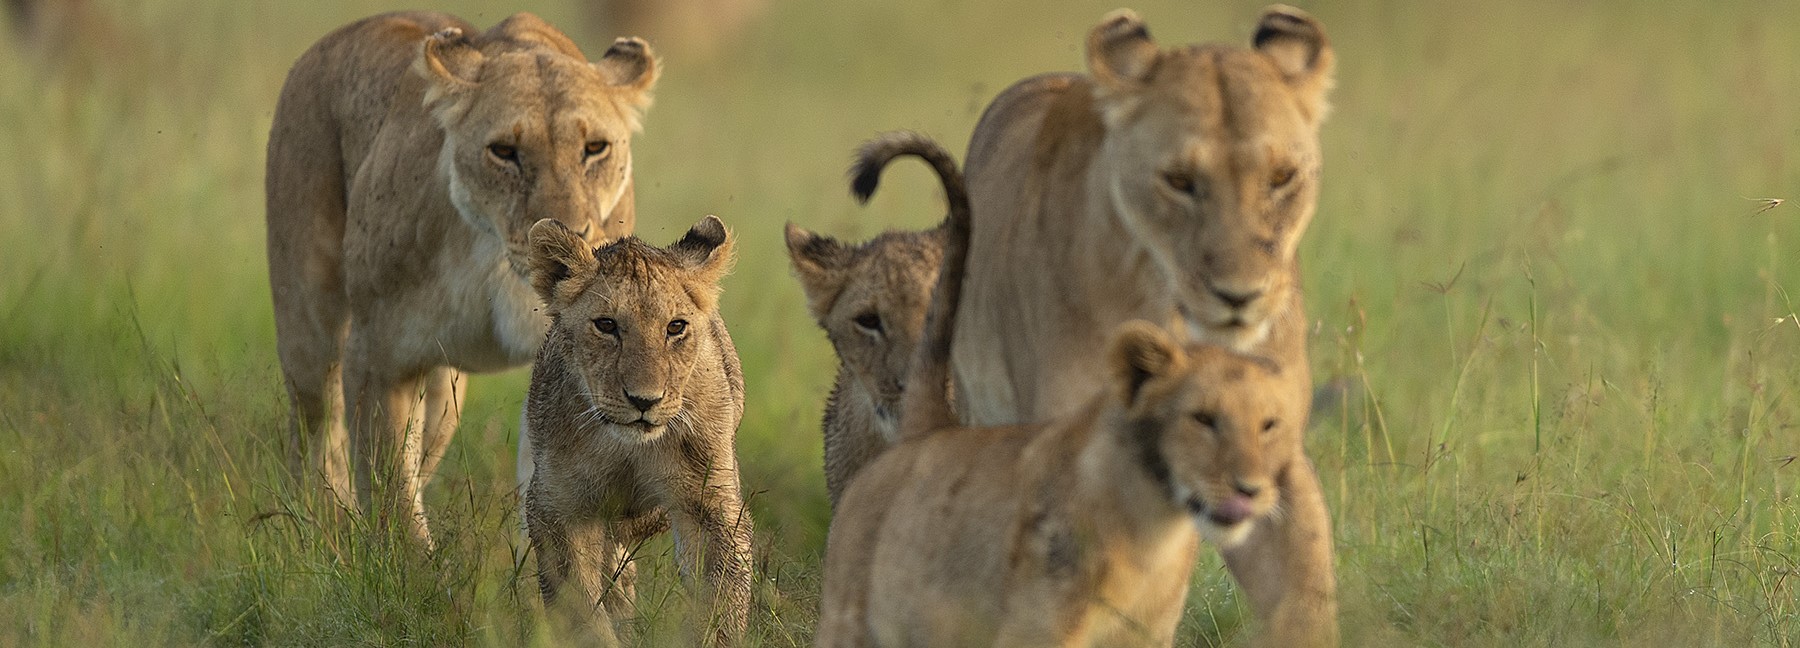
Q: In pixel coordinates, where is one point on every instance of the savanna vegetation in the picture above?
(1555, 294)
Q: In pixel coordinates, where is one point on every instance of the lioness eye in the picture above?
(1281, 177)
(1179, 181)
(1268, 426)
(504, 152)
(1206, 419)
(870, 322)
(676, 327)
(596, 148)
(606, 325)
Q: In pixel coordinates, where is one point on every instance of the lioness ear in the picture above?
(560, 262)
(1140, 352)
(1120, 54)
(449, 63)
(1296, 43)
(706, 250)
(631, 67)
(819, 262)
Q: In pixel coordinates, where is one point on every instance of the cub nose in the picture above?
(1247, 489)
(642, 403)
(1236, 300)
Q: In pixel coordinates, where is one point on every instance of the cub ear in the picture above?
(1120, 54)
(1296, 43)
(1141, 352)
(449, 63)
(820, 262)
(632, 68)
(561, 263)
(706, 251)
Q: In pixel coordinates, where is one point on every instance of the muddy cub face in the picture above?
(1213, 427)
(639, 317)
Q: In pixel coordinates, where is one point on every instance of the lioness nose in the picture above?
(642, 403)
(1236, 299)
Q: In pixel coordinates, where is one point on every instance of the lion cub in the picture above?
(634, 407)
(1076, 532)
(870, 298)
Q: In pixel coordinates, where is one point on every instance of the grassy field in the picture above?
(1567, 334)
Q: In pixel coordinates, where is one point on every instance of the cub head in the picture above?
(1212, 426)
(871, 300)
(533, 131)
(638, 317)
(1211, 159)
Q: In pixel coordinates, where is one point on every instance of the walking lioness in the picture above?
(1075, 532)
(1163, 184)
(409, 156)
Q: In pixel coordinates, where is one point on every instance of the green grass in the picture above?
(1570, 339)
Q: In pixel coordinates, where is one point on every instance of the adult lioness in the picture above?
(870, 299)
(1075, 532)
(1165, 183)
(408, 158)
(634, 407)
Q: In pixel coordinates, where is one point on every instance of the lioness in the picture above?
(871, 299)
(634, 407)
(1076, 532)
(408, 158)
(1163, 183)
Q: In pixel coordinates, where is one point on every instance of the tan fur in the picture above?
(871, 300)
(1076, 532)
(1164, 185)
(634, 407)
(886, 280)
(408, 158)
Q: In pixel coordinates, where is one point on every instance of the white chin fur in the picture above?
(1241, 338)
(1223, 537)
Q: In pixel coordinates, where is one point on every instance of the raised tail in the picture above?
(926, 404)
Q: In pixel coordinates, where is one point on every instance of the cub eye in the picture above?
(1282, 177)
(1206, 419)
(677, 327)
(595, 149)
(504, 152)
(869, 321)
(607, 326)
(1180, 181)
(1268, 426)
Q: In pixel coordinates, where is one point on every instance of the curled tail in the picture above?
(926, 404)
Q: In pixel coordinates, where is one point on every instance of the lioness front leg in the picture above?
(713, 539)
(1285, 566)
(385, 414)
(445, 388)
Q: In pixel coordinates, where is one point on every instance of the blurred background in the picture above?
(1553, 282)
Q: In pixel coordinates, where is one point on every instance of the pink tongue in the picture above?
(1233, 510)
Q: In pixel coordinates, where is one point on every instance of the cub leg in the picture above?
(712, 540)
(572, 552)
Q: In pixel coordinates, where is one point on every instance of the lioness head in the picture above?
(640, 316)
(871, 300)
(531, 132)
(1211, 159)
(1214, 426)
